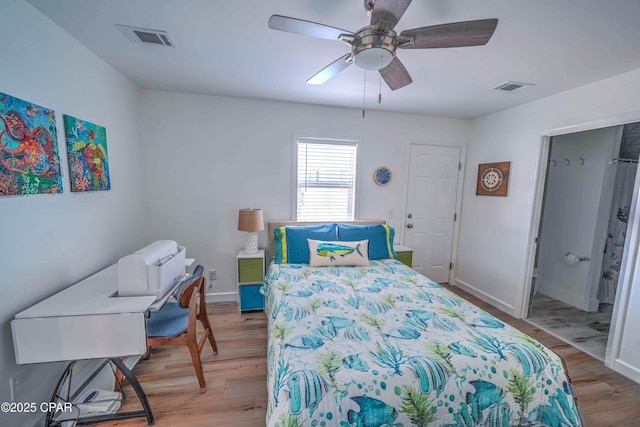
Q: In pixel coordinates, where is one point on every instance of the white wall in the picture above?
(494, 232)
(208, 156)
(48, 242)
(494, 246)
(574, 195)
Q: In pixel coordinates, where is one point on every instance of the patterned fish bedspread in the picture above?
(385, 346)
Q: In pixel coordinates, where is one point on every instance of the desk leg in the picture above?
(126, 373)
(146, 412)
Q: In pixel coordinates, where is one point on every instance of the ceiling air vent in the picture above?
(512, 86)
(145, 35)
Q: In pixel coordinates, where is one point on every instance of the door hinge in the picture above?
(450, 266)
(537, 240)
(459, 166)
(455, 217)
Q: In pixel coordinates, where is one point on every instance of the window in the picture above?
(326, 180)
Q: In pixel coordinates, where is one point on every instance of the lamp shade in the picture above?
(250, 220)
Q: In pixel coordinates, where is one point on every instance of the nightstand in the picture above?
(250, 278)
(405, 254)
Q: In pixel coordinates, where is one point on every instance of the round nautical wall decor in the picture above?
(382, 175)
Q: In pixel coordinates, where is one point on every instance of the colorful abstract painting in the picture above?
(29, 159)
(87, 150)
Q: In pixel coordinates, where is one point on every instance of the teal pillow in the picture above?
(290, 242)
(380, 238)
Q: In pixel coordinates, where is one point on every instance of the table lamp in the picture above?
(251, 221)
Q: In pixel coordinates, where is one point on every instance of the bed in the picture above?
(381, 345)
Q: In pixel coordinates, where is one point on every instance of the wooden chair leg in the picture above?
(212, 341)
(197, 364)
(119, 377)
(204, 320)
(209, 331)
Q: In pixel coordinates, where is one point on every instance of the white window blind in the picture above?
(326, 180)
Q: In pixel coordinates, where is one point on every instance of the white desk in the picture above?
(85, 321)
(89, 321)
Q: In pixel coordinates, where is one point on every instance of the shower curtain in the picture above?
(623, 192)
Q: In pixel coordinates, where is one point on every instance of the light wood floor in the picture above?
(236, 377)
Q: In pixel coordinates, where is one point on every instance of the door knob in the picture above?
(409, 225)
(410, 216)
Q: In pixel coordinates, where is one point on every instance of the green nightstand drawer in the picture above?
(251, 298)
(250, 270)
(406, 258)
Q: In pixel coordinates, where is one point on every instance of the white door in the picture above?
(431, 204)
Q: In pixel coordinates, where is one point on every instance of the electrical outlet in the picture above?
(212, 275)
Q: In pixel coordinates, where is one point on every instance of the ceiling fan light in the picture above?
(373, 59)
(373, 50)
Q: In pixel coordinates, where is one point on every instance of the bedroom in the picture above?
(191, 190)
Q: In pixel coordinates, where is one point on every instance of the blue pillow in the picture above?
(380, 238)
(290, 243)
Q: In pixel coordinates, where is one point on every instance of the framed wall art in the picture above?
(88, 160)
(493, 179)
(29, 159)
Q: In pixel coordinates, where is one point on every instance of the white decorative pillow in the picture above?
(326, 254)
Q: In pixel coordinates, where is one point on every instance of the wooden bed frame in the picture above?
(275, 224)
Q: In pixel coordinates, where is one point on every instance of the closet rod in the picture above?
(621, 160)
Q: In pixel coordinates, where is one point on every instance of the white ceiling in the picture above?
(226, 48)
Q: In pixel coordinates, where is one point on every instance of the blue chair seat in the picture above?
(170, 321)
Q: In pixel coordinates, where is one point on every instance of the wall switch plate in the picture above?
(17, 385)
(212, 275)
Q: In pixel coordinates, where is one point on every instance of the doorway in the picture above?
(587, 197)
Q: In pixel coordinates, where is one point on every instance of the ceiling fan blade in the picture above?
(390, 11)
(395, 75)
(305, 28)
(330, 70)
(456, 34)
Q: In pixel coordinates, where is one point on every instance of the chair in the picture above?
(175, 323)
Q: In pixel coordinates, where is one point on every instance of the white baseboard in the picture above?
(627, 370)
(501, 305)
(222, 297)
(594, 305)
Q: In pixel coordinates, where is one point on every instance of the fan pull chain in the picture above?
(380, 81)
(364, 92)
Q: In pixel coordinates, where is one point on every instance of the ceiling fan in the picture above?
(374, 47)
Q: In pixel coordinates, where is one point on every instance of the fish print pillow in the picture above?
(328, 254)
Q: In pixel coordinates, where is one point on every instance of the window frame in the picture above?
(338, 141)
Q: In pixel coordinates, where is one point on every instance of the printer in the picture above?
(152, 270)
